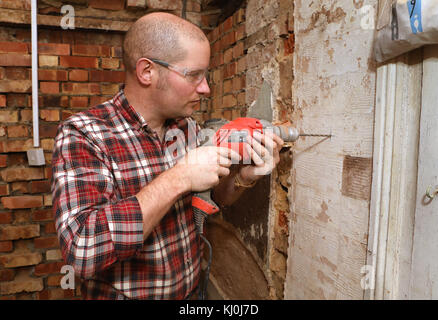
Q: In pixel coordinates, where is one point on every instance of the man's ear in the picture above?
(143, 70)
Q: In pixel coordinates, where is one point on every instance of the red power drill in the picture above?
(234, 135)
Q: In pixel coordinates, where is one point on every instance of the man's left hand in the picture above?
(264, 150)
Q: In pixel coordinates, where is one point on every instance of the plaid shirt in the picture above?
(101, 159)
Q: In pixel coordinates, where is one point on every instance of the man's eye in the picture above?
(195, 74)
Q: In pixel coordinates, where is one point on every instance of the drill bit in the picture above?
(315, 135)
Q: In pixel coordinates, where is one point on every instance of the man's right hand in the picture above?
(201, 167)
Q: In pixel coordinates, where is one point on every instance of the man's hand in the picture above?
(202, 167)
(264, 150)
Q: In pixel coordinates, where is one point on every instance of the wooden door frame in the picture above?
(395, 166)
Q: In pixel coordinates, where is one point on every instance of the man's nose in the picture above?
(203, 87)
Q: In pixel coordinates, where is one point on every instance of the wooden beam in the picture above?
(22, 17)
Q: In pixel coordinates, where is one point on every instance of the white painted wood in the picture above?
(424, 275)
(392, 207)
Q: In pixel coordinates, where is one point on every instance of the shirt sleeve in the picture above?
(95, 228)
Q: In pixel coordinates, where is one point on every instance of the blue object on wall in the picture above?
(414, 7)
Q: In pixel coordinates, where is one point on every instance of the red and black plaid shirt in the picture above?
(101, 159)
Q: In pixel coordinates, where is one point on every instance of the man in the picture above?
(122, 202)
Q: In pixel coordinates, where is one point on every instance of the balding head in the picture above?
(159, 36)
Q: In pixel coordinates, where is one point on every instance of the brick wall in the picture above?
(77, 69)
(227, 70)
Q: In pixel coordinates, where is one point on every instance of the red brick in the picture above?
(6, 246)
(4, 190)
(16, 145)
(17, 100)
(2, 100)
(56, 49)
(164, 4)
(55, 294)
(90, 50)
(240, 32)
(49, 115)
(95, 100)
(3, 160)
(116, 52)
(78, 62)
(50, 228)
(20, 260)
(15, 86)
(107, 76)
(5, 217)
(42, 186)
(22, 174)
(107, 5)
(81, 88)
(52, 75)
(228, 39)
(49, 87)
(48, 130)
(79, 102)
(15, 60)
(78, 75)
(20, 232)
(238, 50)
(55, 280)
(22, 202)
(18, 73)
(289, 45)
(43, 215)
(228, 24)
(230, 70)
(46, 243)
(17, 131)
(48, 268)
(110, 63)
(7, 275)
(9, 46)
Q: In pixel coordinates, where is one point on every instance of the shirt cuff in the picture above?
(125, 223)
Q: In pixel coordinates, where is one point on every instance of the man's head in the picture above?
(167, 56)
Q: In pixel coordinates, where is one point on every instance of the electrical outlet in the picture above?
(36, 157)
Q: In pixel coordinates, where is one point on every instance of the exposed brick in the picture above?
(81, 88)
(55, 280)
(6, 246)
(43, 215)
(230, 70)
(108, 5)
(52, 75)
(109, 89)
(228, 55)
(55, 294)
(229, 101)
(49, 115)
(7, 275)
(110, 63)
(78, 62)
(47, 198)
(228, 24)
(5, 217)
(49, 87)
(22, 174)
(164, 4)
(55, 49)
(239, 83)
(20, 187)
(136, 3)
(48, 268)
(79, 102)
(50, 228)
(9, 46)
(54, 255)
(48, 130)
(107, 76)
(2, 100)
(3, 160)
(91, 50)
(17, 100)
(20, 260)
(46, 243)
(241, 64)
(17, 159)
(16, 145)
(17, 131)
(240, 32)
(15, 85)
(95, 100)
(17, 73)
(238, 50)
(23, 285)
(15, 59)
(78, 75)
(117, 52)
(4, 190)
(8, 116)
(19, 232)
(50, 101)
(42, 186)
(22, 202)
(48, 61)
(47, 144)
